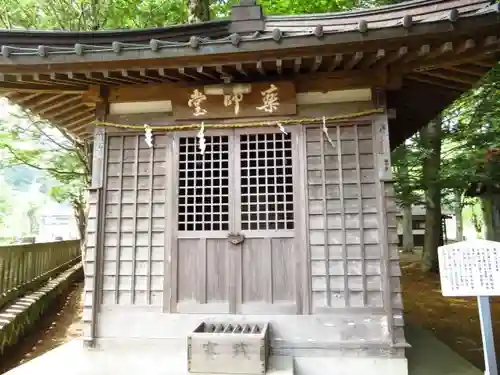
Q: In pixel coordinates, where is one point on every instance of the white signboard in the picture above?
(470, 268)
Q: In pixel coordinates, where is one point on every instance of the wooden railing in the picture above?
(25, 267)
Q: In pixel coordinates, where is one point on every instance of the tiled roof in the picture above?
(403, 16)
(434, 49)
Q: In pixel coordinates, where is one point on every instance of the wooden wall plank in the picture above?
(361, 223)
(345, 233)
(151, 218)
(134, 223)
(325, 220)
(341, 149)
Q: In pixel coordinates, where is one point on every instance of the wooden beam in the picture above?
(24, 80)
(69, 111)
(314, 82)
(260, 68)
(451, 76)
(438, 82)
(370, 60)
(489, 63)
(41, 103)
(279, 66)
(64, 103)
(422, 52)
(185, 73)
(355, 59)
(74, 124)
(63, 79)
(297, 64)
(204, 71)
(111, 77)
(470, 56)
(472, 70)
(240, 69)
(93, 95)
(34, 88)
(132, 76)
(336, 61)
(445, 48)
(395, 56)
(33, 99)
(19, 97)
(76, 111)
(222, 71)
(466, 46)
(144, 73)
(316, 64)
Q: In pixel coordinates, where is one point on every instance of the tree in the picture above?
(475, 133)
(407, 179)
(28, 141)
(5, 201)
(431, 140)
(91, 14)
(198, 10)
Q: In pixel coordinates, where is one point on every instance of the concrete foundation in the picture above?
(134, 358)
(427, 356)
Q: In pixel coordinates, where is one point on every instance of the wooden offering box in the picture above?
(228, 348)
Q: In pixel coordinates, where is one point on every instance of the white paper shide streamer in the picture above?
(148, 135)
(325, 130)
(201, 139)
(281, 127)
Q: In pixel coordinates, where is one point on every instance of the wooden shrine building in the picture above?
(242, 217)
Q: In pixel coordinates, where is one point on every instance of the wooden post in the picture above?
(96, 190)
(382, 154)
(490, 360)
(491, 217)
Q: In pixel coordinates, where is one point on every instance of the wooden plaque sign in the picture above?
(236, 100)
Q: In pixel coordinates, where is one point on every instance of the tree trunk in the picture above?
(490, 204)
(407, 229)
(81, 218)
(431, 139)
(95, 24)
(198, 11)
(459, 219)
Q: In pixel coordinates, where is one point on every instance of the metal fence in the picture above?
(25, 267)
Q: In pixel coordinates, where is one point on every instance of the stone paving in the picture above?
(429, 356)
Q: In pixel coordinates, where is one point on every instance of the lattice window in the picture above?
(266, 182)
(204, 184)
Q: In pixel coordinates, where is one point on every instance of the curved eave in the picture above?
(168, 53)
(438, 56)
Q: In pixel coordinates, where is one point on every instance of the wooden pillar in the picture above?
(383, 177)
(95, 230)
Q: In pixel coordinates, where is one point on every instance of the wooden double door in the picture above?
(234, 244)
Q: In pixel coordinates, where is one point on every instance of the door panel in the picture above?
(203, 284)
(265, 216)
(243, 186)
(268, 276)
(203, 224)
